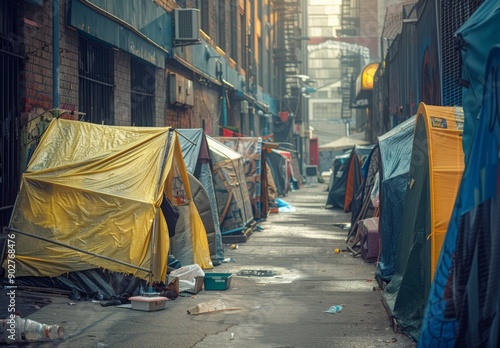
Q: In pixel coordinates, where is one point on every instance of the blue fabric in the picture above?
(478, 35)
(395, 156)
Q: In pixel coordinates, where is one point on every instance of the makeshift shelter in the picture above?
(363, 205)
(435, 171)
(254, 151)
(197, 158)
(395, 157)
(278, 164)
(475, 38)
(91, 197)
(359, 156)
(295, 181)
(336, 194)
(342, 143)
(464, 301)
(233, 201)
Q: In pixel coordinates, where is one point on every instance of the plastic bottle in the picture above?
(27, 330)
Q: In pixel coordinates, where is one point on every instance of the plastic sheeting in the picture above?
(99, 188)
(233, 201)
(336, 194)
(464, 301)
(395, 154)
(254, 155)
(435, 171)
(476, 36)
(197, 158)
(278, 165)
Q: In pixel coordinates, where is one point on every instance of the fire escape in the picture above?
(287, 54)
(350, 61)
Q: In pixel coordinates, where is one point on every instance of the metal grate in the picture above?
(454, 13)
(142, 94)
(10, 68)
(95, 72)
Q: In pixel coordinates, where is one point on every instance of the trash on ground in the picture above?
(212, 306)
(334, 309)
(188, 277)
(26, 330)
(227, 260)
(256, 273)
(284, 207)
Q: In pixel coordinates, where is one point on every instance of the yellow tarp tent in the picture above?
(90, 198)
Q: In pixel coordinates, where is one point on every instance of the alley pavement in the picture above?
(285, 308)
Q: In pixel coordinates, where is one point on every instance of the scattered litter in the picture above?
(212, 306)
(71, 303)
(232, 335)
(127, 305)
(284, 207)
(334, 309)
(26, 330)
(37, 307)
(344, 226)
(393, 340)
(101, 345)
(256, 273)
(259, 228)
(227, 260)
(234, 246)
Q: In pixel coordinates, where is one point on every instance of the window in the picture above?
(243, 40)
(221, 32)
(234, 29)
(10, 71)
(202, 5)
(142, 94)
(95, 75)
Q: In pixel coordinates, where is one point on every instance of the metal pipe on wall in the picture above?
(55, 53)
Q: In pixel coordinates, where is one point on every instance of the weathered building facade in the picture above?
(126, 63)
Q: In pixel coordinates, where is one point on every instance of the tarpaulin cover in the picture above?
(477, 37)
(395, 153)
(252, 150)
(99, 188)
(233, 201)
(336, 194)
(355, 175)
(279, 169)
(363, 203)
(197, 158)
(435, 172)
(464, 301)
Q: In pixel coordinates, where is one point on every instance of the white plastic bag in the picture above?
(187, 276)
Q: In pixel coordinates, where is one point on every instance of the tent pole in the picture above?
(78, 249)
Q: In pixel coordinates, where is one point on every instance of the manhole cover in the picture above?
(256, 273)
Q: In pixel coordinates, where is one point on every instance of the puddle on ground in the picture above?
(268, 275)
(256, 273)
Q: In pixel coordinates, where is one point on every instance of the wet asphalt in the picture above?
(283, 280)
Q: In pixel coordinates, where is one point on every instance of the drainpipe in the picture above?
(224, 106)
(55, 53)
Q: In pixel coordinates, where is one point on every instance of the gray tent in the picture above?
(197, 159)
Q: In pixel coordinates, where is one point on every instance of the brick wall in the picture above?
(161, 99)
(68, 63)
(122, 101)
(37, 39)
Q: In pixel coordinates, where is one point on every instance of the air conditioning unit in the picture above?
(187, 24)
(181, 90)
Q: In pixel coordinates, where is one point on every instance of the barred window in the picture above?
(142, 94)
(95, 75)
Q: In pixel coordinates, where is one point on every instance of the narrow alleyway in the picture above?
(282, 310)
